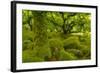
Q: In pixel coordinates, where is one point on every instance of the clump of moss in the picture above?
(55, 43)
(67, 55)
(29, 56)
(71, 42)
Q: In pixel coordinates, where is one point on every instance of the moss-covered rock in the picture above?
(55, 43)
(71, 42)
(76, 52)
(67, 55)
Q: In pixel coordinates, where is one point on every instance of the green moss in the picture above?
(29, 56)
(67, 56)
(76, 52)
(43, 52)
(71, 42)
(27, 44)
(55, 43)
